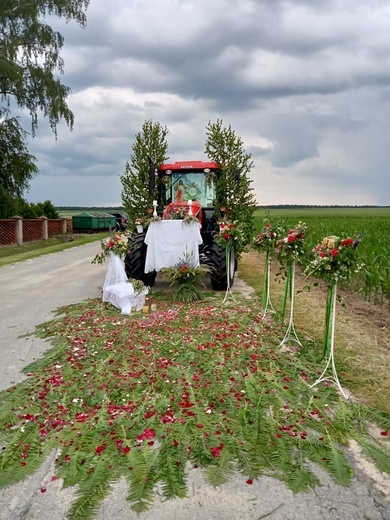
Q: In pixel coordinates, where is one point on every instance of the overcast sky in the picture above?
(304, 83)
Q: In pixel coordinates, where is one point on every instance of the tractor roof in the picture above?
(189, 165)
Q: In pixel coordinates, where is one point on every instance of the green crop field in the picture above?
(373, 224)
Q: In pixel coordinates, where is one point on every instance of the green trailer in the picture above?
(89, 221)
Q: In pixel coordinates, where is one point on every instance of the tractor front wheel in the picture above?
(135, 260)
(220, 269)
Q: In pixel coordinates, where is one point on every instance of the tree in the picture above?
(149, 148)
(17, 166)
(234, 194)
(30, 57)
(30, 62)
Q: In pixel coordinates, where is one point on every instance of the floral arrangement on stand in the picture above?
(116, 244)
(289, 251)
(334, 259)
(230, 233)
(188, 277)
(230, 237)
(265, 242)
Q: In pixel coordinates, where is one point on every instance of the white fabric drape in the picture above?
(169, 241)
(118, 291)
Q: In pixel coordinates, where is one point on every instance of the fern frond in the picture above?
(378, 417)
(172, 467)
(143, 478)
(25, 440)
(299, 478)
(92, 491)
(141, 496)
(219, 473)
(337, 465)
(381, 457)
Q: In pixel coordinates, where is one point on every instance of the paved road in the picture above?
(29, 293)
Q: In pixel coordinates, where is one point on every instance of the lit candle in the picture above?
(190, 207)
(190, 202)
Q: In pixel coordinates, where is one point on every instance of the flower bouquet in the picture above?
(265, 241)
(188, 277)
(334, 259)
(289, 251)
(177, 213)
(230, 232)
(116, 245)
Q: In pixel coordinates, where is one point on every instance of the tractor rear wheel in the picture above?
(135, 260)
(217, 260)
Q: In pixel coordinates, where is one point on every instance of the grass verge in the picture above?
(13, 254)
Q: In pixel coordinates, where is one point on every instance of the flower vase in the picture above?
(267, 305)
(290, 334)
(330, 321)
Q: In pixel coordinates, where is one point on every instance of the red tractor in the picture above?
(177, 184)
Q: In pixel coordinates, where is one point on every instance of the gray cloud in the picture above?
(304, 84)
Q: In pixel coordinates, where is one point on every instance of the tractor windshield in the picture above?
(191, 185)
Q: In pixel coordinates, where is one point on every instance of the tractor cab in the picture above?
(184, 181)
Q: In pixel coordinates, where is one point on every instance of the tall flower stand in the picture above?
(267, 305)
(290, 334)
(228, 253)
(330, 321)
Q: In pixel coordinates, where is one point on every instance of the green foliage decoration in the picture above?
(150, 145)
(148, 396)
(234, 195)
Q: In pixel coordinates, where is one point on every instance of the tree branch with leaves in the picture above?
(234, 196)
(150, 147)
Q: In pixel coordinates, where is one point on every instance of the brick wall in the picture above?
(20, 231)
(8, 232)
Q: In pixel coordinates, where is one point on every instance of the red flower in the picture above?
(346, 242)
(217, 451)
(249, 481)
(147, 434)
(226, 236)
(334, 252)
(100, 449)
(291, 238)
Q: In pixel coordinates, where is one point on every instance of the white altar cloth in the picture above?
(170, 241)
(118, 291)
